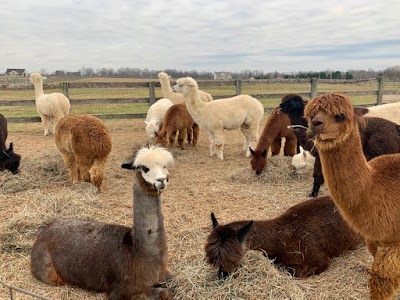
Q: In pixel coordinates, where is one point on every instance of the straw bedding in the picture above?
(199, 184)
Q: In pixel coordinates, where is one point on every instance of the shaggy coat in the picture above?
(389, 111)
(126, 263)
(365, 192)
(155, 116)
(244, 112)
(303, 239)
(84, 143)
(8, 159)
(275, 129)
(51, 107)
(379, 136)
(177, 98)
(177, 118)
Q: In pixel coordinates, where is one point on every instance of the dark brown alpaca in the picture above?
(123, 262)
(177, 118)
(379, 136)
(8, 159)
(365, 192)
(303, 239)
(274, 130)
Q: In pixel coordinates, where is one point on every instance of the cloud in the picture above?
(284, 35)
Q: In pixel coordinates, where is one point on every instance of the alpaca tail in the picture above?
(97, 172)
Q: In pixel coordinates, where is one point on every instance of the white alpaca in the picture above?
(177, 98)
(155, 117)
(390, 111)
(303, 161)
(244, 112)
(51, 107)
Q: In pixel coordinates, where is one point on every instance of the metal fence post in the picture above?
(238, 84)
(314, 84)
(380, 91)
(152, 92)
(65, 86)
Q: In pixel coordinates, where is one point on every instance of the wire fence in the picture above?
(13, 291)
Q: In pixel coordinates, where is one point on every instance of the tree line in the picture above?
(126, 72)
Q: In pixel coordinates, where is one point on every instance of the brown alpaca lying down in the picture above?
(303, 239)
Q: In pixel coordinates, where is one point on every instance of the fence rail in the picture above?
(151, 85)
(12, 289)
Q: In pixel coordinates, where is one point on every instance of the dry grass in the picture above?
(198, 185)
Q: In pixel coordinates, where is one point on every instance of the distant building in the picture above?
(16, 72)
(222, 76)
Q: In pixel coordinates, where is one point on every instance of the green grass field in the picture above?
(143, 92)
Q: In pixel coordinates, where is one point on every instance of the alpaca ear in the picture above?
(244, 231)
(214, 220)
(128, 165)
(264, 153)
(44, 78)
(147, 123)
(11, 148)
(251, 151)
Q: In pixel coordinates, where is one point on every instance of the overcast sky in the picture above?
(202, 35)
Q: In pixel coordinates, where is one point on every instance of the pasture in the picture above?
(198, 185)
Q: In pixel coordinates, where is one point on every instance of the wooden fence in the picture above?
(151, 85)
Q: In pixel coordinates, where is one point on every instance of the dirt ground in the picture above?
(199, 184)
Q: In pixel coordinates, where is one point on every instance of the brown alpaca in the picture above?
(274, 130)
(303, 239)
(84, 143)
(177, 118)
(126, 263)
(366, 193)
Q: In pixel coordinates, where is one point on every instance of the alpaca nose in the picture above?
(316, 123)
(162, 182)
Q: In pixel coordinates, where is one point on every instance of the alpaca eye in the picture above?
(145, 169)
(339, 117)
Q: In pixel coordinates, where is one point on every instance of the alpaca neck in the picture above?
(347, 173)
(38, 89)
(264, 236)
(166, 87)
(194, 104)
(148, 223)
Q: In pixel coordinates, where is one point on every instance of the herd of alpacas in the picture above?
(354, 151)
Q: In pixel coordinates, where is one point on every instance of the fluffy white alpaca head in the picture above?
(163, 75)
(152, 127)
(152, 162)
(184, 85)
(36, 78)
(303, 161)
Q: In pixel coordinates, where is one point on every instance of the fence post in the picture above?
(314, 84)
(380, 90)
(238, 84)
(152, 92)
(65, 86)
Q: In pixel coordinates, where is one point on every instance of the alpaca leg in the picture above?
(171, 137)
(189, 135)
(45, 123)
(72, 166)
(290, 146)
(211, 137)
(318, 177)
(84, 166)
(384, 280)
(250, 133)
(196, 133)
(276, 146)
(182, 135)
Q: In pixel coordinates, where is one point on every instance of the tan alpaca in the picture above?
(366, 193)
(85, 144)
